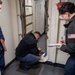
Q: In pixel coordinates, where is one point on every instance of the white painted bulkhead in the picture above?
(53, 28)
(39, 15)
(9, 27)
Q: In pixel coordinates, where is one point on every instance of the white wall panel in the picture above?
(29, 19)
(29, 28)
(6, 25)
(19, 20)
(29, 15)
(39, 15)
(33, 4)
(28, 10)
(28, 2)
(53, 29)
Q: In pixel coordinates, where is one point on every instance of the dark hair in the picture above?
(36, 32)
(1, 2)
(67, 7)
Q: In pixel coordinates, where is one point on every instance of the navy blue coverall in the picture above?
(2, 62)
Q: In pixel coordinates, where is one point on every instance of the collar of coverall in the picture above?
(72, 19)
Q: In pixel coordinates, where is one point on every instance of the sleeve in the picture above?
(1, 34)
(34, 50)
(70, 47)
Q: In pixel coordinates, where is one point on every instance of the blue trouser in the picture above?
(70, 66)
(2, 62)
(28, 60)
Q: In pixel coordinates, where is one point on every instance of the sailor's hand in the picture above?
(5, 49)
(39, 48)
(59, 46)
